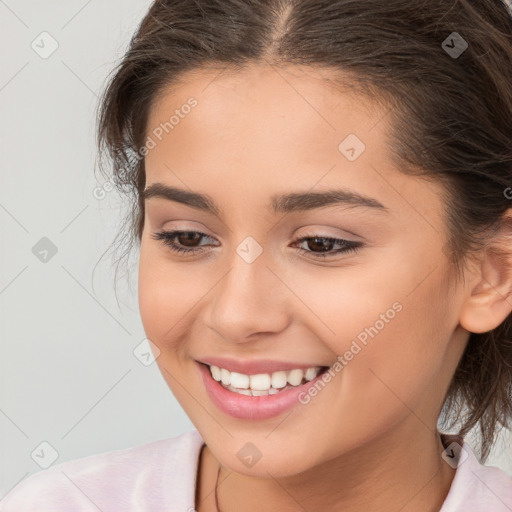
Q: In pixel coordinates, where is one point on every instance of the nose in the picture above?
(249, 300)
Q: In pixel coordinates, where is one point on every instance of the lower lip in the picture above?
(252, 407)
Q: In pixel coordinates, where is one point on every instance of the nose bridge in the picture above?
(249, 297)
(246, 285)
(248, 262)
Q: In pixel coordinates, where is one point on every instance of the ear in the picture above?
(489, 299)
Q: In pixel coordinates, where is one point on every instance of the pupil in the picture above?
(188, 235)
(319, 245)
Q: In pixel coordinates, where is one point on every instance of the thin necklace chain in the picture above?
(216, 497)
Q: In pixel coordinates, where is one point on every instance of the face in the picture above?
(356, 288)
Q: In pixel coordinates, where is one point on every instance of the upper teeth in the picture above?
(263, 381)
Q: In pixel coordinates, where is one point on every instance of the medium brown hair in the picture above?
(451, 118)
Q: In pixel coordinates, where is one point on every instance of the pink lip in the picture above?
(255, 366)
(251, 407)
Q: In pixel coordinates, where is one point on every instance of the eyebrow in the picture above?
(285, 203)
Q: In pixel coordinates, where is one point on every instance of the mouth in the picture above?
(258, 396)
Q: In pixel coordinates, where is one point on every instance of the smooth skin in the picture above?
(368, 440)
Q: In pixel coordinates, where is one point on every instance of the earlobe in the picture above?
(489, 299)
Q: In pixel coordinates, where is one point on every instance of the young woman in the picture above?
(322, 194)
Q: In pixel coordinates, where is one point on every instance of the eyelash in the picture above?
(167, 237)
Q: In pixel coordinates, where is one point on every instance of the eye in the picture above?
(324, 243)
(189, 238)
(186, 237)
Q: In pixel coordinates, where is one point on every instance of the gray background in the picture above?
(68, 373)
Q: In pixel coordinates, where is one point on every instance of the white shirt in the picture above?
(161, 477)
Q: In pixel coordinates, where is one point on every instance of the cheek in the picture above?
(167, 294)
(166, 301)
(392, 353)
(389, 333)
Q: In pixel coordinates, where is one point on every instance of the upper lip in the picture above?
(252, 367)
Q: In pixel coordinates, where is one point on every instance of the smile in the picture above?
(257, 396)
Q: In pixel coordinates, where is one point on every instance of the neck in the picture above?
(391, 473)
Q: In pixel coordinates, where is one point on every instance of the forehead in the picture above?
(308, 91)
(261, 115)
